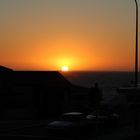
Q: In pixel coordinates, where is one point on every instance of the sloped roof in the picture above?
(42, 78)
(49, 78)
(5, 69)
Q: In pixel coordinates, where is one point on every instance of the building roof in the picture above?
(5, 69)
(48, 78)
(37, 78)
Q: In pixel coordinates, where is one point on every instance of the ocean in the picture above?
(108, 81)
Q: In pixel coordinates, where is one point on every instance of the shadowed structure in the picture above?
(36, 94)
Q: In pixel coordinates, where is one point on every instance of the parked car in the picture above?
(104, 121)
(71, 125)
(79, 125)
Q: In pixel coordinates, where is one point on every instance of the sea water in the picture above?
(108, 81)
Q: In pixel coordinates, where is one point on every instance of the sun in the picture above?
(64, 68)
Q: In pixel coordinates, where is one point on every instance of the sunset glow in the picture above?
(87, 35)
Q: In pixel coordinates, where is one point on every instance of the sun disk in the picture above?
(65, 68)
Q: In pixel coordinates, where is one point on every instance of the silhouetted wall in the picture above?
(35, 94)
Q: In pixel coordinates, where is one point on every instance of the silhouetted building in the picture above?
(38, 93)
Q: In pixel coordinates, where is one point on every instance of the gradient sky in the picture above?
(82, 34)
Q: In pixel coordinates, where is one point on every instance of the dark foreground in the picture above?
(36, 130)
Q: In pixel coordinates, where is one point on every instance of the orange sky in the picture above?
(83, 35)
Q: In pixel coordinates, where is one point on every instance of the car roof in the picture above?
(73, 113)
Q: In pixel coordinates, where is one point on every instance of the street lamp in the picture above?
(136, 67)
(136, 50)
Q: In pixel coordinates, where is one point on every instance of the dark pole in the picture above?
(136, 51)
(136, 69)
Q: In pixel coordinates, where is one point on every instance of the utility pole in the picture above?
(136, 49)
(136, 114)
